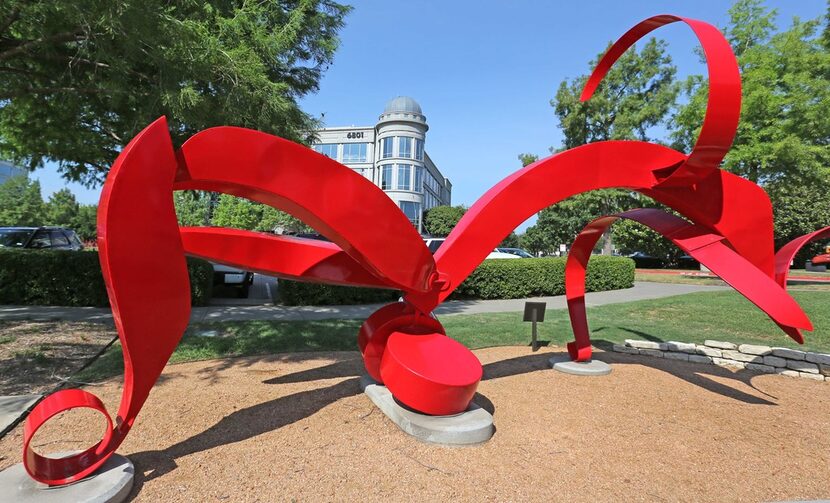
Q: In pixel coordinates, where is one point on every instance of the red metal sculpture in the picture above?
(403, 345)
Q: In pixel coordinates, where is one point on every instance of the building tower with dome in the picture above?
(392, 155)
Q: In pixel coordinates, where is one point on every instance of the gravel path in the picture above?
(295, 427)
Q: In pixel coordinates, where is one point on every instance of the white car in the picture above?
(434, 243)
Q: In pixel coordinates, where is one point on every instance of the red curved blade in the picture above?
(283, 256)
(723, 109)
(341, 204)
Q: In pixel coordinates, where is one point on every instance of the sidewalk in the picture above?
(641, 291)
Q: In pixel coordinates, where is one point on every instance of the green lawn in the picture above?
(694, 317)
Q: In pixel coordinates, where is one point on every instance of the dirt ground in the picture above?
(35, 357)
(296, 427)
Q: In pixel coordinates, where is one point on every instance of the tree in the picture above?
(536, 241)
(21, 203)
(274, 220)
(440, 220)
(62, 208)
(637, 95)
(79, 79)
(236, 212)
(511, 241)
(528, 159)
(799, 210)
(192, 207)
(85, 223)
(783, 142)
(560, 224)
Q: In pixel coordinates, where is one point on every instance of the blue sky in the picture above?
(483, 71)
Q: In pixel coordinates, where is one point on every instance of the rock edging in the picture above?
(762, 359)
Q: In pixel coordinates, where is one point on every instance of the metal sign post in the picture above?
(534, 313)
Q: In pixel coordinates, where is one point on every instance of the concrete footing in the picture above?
(564, 364)
(473, 426)
(110, 484)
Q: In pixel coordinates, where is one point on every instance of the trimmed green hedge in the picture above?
(73, 278)
(538, 277)
(493, 279)
(297, 293)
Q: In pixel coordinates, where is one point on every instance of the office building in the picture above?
(392, 154)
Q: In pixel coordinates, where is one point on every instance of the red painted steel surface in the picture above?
(284, 256)
(336, 201)
(399, 317)
(430, 373)
(822, 259)
(403, 346)
(708, 248)
(722, 110)
(144, 268)
(788, 252)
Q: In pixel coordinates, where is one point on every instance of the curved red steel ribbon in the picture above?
(144, 268)
(736, 208)
(723, 109)
(699, 242)
(323, 193)
(610, 164)
(785, 255)
(284, 256)
(151, 310)
(783, 259)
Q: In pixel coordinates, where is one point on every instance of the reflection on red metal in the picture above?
(403, 345)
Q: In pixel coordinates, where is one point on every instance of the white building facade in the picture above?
(9, 170)
(392, 155)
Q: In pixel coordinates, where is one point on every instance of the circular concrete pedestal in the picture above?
(590, 368)
(110, 484)
(473, 426)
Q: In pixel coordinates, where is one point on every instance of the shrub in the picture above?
(516, 279)
(298, 293)
(493, 279)
(73, 278)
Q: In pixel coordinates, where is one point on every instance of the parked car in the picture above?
(53, 238)
(687, 262)
(434, 243)
(497, 254)
(310, 235)
(516, 251)
(231, 276)
(645, 261)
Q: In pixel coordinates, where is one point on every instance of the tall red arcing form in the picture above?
(729, 228)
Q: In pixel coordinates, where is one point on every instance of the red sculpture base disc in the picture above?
(432, 373)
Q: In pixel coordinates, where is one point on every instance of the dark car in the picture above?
(645, 261)
(231, 276)
(687, 262)
(52, 238)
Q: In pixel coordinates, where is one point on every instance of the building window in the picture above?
(386, 177)
(419, 149)
(412, 210)
(419, 177)
(386, 147)
(405, 147)
(327, 149)
(354, 152)
(404, 177)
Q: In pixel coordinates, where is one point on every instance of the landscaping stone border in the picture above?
(762, 359)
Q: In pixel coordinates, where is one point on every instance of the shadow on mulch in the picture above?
(241, 425)
(268, 416)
